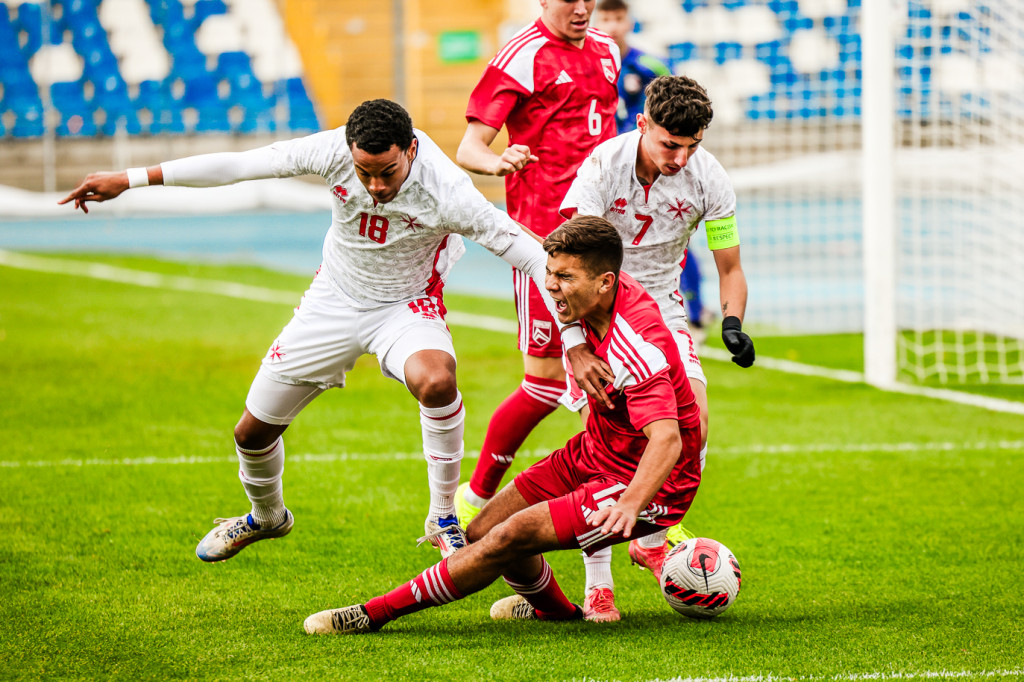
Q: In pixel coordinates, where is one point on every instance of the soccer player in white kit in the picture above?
(400, 209)
(655, 185)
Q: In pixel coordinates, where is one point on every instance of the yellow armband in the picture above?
(722, 233)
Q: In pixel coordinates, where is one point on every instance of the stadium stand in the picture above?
(164, 67)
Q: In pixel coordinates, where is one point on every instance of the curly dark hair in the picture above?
(377, 124)
(679, 105)
(593, 239)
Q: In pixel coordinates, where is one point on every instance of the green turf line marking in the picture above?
(534, 454)
(852, 677)
(251, 293)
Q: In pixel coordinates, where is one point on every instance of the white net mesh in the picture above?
(785, 77)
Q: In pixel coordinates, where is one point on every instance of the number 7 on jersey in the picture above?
(646, 220)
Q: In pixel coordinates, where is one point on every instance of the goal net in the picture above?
(788, 87)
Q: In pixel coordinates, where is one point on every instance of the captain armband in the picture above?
(722, 233)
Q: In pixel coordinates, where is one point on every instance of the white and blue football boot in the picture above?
(232, 535)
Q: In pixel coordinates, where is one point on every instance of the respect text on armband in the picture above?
(722, 233)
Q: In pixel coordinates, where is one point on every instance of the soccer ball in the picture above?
(700, 578)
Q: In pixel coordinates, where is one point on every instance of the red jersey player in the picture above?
(553, 86)
(633, 471)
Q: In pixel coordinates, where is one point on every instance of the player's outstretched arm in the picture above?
(104, 186)
(663, 447)
(475, 154)
(733, 294)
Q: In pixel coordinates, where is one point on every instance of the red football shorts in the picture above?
(538, 333)
(574, 493)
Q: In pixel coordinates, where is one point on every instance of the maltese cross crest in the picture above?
(679, 209)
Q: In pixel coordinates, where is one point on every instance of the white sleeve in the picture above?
(586, 194)
(224, 168)
(721, 198)
(317, 154)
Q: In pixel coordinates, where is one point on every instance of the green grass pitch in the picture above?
(879, 534)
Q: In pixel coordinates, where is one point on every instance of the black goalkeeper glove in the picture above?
(738, 343)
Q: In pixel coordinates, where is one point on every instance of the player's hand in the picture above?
(738, 343)
(513, 159)
(97, 187)
(591, 373)
(618, 518)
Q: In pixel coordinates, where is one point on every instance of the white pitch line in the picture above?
(852, 677)
(536, 453)
(252, 293)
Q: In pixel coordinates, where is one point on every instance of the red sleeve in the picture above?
(494, 98)
(651, 400)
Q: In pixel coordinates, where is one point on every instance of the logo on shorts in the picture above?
(541, 332)
(425, 307)
(341, 193)
(276, 353)
(619, 206)
(609, 69)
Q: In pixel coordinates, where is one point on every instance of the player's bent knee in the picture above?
(253, 434)
(436, 390)
(504, 542)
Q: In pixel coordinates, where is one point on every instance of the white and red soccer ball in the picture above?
(700, 578)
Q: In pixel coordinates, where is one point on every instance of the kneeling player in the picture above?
(633, 471)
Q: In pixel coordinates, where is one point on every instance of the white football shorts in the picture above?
(326, 336)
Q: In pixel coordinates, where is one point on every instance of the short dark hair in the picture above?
(679, 105)
(377, 124)
(593, 239)
(612, 6)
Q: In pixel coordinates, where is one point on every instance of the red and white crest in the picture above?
(619, 206)
(609, 69)
(541, 332)
(679, 209)
(341, 193)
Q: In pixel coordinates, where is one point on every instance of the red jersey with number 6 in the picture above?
(555, 98)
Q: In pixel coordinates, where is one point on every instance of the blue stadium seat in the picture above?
(189, 62)
(201, 92)
(121, 119)
(206, 8)
(233, 64)
(682, 52)
(29, 122)
(727, 51)
(76, 115)
(167, 121)
(213, 120)
(151, 95)
(166, 12)
(254, 121)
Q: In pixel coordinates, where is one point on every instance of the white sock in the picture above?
(443, 428)
(260, 472)
(599, 570)
(475, 499)
(653, 540)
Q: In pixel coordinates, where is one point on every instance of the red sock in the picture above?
(511, 423)
(545, 595)
(432, 587)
